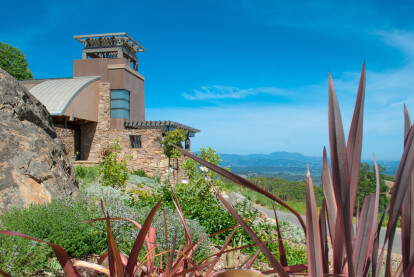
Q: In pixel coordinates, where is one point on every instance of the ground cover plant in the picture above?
(354, 253)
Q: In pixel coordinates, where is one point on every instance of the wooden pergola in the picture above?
(111, 45)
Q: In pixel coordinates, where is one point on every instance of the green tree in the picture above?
(173, 137)
(367, 184)
(14, 62)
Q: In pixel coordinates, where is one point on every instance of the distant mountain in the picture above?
(284, 161)
(287, 165)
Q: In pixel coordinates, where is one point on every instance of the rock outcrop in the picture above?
(33, 164)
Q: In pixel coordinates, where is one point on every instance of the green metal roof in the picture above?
(57, 94)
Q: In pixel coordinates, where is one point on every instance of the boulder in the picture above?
(237, 198)
(33, 164)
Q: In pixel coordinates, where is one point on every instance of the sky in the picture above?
(250, 74)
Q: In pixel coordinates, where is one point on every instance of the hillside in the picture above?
(286, 165)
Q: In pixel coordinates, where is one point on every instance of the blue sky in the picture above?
(251, 75)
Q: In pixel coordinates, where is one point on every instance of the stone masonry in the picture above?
(97, 137)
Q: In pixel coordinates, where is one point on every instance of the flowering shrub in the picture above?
(21, 257)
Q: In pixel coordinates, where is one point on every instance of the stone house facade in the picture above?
(103, 102)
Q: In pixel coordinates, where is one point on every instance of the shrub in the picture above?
(59, 222)
(200, 178)
(140, 172)
(86, 174)
(113, 171)
(97, 191)
(21, 257)
(149, 182)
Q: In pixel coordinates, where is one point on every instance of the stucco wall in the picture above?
(119, 74)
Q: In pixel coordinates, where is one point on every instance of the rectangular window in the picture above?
(135, 141)
(120, 103)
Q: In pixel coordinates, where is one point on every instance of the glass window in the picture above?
(135, 141)
(120, 103)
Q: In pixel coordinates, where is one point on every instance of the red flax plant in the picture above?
(178, 262)
(355, 252)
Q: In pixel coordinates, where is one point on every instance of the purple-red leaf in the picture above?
(116, 267)
(139, 241)
(272, 259)
(340, 174)
(223, 248)
(354, 143)
(282, 252)
(95, 267)
(324, 238)
(365, 236)
(329, 196)
(243, 182)
(402, 181)
(313, 238)
(407, 214)
(100, 261)
(375, 268)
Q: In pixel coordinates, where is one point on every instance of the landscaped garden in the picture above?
(187, 227)
(132, 197)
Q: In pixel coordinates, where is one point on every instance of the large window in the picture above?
(119, 103)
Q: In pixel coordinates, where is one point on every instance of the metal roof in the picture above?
(57, 94)
(158, 125)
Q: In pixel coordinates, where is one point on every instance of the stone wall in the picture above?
(150, 156)
(97, 137)
(67, 136)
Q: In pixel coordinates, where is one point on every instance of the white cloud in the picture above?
(256, 128)
(228, 92)
(302, 125)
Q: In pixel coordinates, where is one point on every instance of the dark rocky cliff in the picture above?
(33, 164)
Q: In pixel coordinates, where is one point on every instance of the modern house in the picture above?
(103, 101)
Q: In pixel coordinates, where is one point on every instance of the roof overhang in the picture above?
(57, 94)
(163, 125)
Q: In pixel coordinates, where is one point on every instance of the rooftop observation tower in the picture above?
(111, 45)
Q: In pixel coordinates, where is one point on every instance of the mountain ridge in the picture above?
(283, 162)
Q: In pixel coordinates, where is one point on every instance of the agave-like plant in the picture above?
(178, 262)
(355, 252)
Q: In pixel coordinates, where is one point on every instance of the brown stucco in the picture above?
(118, 73)
(85, 104)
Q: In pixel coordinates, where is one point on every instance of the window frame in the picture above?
(136, 141)
(125, 97)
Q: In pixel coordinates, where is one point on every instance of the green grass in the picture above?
(259, 199)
